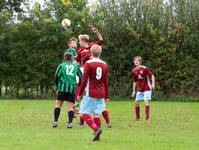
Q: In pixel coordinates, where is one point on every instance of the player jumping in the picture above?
(83, 55)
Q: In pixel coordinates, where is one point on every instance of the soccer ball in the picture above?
(66, 23)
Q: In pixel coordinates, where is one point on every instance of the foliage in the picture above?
(164, 33)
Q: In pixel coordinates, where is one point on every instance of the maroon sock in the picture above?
(88, 119)
(137, 112)
(147, 111)
(81, 120)
(106, 116)
(97, 121)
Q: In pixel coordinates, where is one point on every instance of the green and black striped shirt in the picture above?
(65, 77)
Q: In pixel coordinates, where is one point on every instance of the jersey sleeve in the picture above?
(57, 74)
(148, 71)
(84, 79)
(106, 84)
(99, 42)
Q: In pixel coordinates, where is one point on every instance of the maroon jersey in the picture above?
(141, 75)
(95, 79)
(84, 53)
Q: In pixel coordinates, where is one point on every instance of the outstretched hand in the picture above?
(95, 30)
(133, 94)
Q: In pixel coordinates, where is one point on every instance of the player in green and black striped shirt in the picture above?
(65, 78)
(72, 44)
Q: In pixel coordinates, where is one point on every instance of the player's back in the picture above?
(65, 77)
(97, 85)
(68, 72)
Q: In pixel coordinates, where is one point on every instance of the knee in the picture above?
(70, 107)
(96, 116)
(137, 104)
(58, 104)
(146, 102)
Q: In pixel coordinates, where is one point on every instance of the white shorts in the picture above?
(146, 95)
(90, 105)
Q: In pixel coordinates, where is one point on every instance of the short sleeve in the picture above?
(148, 72)
(100, 42)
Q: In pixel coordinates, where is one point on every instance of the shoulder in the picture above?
(134, 70)
(67, 50)
(91, 44)
(145, 67)
(80, 49)
(75, 65)
(62, 64)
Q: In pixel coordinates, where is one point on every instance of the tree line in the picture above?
(164, 33)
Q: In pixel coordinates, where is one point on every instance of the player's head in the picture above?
(67, 57)
(83, 40)
(137, 60)
(96, 51)
(72, 43)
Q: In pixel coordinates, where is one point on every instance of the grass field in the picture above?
(26, 125)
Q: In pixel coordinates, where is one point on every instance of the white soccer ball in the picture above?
(66, 23)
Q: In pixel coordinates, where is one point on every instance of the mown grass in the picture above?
(26, 124)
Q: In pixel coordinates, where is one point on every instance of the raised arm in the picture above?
(95, 30)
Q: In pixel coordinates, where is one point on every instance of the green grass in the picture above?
(26, 125)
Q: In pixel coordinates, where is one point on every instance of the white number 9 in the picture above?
(98, 73)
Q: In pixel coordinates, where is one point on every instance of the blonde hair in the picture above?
(96, 50)
(84, 37)
(138, 57)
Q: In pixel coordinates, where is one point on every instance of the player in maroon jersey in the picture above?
(95, 84)
(141, 75)
(83, 55)
(84, 52)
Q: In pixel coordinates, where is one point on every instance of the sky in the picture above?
(42, 1)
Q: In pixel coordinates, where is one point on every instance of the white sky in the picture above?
(42, 1)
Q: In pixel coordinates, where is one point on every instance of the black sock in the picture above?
(56, 114)
(70, 116)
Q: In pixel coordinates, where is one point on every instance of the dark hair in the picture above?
(67, 56)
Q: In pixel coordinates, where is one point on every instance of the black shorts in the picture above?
(63, 96)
